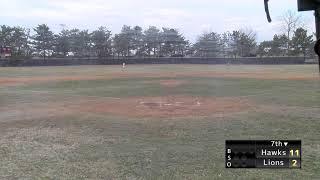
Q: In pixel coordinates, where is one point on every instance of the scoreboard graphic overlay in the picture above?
(263, 154)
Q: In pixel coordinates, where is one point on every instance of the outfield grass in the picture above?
(84, 145)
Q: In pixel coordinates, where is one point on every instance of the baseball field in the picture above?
(153, 121)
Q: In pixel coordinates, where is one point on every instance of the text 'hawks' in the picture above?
(278, 152)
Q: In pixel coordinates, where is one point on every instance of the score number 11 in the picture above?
(294, 153)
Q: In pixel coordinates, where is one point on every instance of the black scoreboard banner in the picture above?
(263, 154)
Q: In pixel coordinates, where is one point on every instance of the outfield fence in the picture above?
(116, 61)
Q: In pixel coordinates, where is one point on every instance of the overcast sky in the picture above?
(191, 17)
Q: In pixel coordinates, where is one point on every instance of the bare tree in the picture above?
(290, 21)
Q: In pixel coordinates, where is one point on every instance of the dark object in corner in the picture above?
(266, 7)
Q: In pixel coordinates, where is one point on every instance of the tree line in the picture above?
(151, 42)
(300, 44)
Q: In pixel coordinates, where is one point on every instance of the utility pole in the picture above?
(317, 46)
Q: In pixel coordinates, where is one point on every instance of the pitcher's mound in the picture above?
(169, 106)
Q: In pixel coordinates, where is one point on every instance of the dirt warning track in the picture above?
(12, 81)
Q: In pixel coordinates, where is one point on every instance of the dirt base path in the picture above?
(164, 107)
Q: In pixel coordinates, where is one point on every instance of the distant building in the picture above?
(5, 51)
